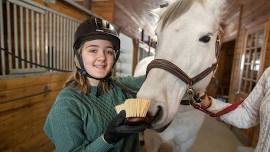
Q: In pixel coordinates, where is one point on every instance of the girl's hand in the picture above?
(206, 100)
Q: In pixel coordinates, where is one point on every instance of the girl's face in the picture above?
(98, 57)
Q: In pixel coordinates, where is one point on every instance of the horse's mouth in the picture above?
(163, 128)
(154, 119)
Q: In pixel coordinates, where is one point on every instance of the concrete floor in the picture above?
(214, 136)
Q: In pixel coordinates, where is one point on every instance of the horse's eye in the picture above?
(205, 39)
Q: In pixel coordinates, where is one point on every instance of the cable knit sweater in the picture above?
(77, 122)
(255, 109)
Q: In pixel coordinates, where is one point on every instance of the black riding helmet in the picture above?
(93, 29)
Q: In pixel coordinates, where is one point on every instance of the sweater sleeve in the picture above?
(64, 127)
(247, 114)
(133, 83)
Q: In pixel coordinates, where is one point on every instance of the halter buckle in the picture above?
(190, 92)
(192, 96)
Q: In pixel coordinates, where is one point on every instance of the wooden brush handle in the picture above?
(137, 120)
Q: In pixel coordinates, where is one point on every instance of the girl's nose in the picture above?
(101, 55)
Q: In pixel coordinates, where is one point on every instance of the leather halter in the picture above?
(176, 71)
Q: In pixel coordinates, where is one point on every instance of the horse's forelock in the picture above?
(175, 10)
(179, 7)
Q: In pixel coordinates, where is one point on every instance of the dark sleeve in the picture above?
(64, 126)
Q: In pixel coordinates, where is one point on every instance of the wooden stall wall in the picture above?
(25, 100)
(24, 104)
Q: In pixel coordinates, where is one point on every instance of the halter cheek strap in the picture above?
(176, 71)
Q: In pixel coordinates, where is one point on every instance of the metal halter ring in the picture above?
(190, 92)
(193, 99)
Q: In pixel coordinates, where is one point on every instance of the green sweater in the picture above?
(77, 122)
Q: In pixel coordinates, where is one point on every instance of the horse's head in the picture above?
(187, 34)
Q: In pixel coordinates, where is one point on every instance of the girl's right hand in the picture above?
(206, 100)
(118, 128)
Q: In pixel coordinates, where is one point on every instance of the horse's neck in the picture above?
(142, 65)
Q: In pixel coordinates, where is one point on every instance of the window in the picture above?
(252, 57)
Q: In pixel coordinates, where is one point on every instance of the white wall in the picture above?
(124, 64)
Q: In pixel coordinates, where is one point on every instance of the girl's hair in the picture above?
(80, 81)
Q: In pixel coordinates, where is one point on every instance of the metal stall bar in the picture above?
(74, 28)
(42, 47)
(50, 42)
(58, 42)
(27, 37)
(64, 44)
(22, 37)
(61, 42)
(46, 29)
(9, 35)
(71, 39)
(54, 41)
(72, 51)
(2, 44)
(15, 35)
(37, 39)
(32, 38)
(69, 44)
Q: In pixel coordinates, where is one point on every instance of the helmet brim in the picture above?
(99, 36)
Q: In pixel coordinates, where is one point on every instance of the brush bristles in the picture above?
(134, 107)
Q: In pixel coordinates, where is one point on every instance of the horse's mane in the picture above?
(175, 10)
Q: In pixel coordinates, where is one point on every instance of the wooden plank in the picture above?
(15, 94)
(11, 106)
(22, 81)
(21, 129)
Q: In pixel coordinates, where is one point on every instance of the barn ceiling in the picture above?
(131, 16)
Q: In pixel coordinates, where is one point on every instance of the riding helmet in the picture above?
(95, 28)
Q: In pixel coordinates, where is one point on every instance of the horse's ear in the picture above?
(218, 6)
(158, 11)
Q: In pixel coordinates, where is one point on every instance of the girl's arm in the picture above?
(246, 115)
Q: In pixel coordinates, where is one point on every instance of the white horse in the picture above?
(187, 34)
(182, 132)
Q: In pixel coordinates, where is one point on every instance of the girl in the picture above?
(83, 117)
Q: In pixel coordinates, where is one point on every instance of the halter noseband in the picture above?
(176, 71)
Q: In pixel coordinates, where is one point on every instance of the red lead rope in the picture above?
(228, 109)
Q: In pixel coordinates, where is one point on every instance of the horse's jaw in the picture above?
(164, 99)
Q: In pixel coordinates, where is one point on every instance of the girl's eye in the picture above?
(92, 50)
(110, 52)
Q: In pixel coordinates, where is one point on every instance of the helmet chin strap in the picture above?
(83, 72)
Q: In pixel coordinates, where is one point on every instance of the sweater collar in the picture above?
(94, 90)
